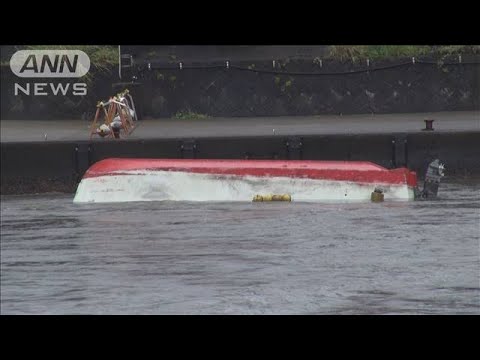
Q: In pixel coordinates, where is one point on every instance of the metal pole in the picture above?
(119, 63)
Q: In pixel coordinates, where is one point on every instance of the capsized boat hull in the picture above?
(122, 180)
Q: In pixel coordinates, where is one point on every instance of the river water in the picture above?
(242, 258)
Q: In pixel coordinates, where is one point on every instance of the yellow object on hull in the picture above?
(271, 197)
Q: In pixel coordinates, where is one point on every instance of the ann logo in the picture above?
(58, 65)
(50, 63)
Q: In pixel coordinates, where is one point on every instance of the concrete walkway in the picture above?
(68, 130)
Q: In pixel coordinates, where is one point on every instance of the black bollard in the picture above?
(428, 124)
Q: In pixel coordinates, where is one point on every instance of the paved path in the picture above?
(64, 130)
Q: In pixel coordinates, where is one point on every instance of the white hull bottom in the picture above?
(186, 186)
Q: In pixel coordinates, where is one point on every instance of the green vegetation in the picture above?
(287, 84)
(377, 52)
(151, 54)
(457, 49)
(189, 115)
(104, 57)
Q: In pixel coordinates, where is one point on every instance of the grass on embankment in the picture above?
(189, 115)
(380, 52)
(104, 57)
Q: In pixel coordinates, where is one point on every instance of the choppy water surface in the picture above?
(242, 258)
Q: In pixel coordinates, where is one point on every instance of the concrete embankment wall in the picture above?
(38, 167)
(261, 88)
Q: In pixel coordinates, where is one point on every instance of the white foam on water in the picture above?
(186, 186)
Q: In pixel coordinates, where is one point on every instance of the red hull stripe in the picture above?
(356, 171)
